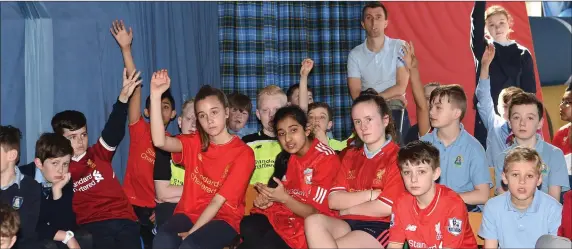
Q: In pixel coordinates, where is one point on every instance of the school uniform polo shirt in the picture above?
(554, 172)
(497, 128)
(376, 70)
(463, 163)
(515, 228)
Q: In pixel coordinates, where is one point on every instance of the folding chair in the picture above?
(396, 105)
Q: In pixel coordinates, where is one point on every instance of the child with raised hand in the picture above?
(218, 166)
(518, 217)
(304, 172)
(512, 66)
(100, 205)
(430, 215)
(366, 185)
(169, 177)
(320, 121)
(525, 115)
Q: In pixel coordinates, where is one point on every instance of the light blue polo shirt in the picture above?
(514, 228)
(497, 128)
(376, 70)
(463, 163)
(554, 172)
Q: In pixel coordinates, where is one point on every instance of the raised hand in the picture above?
(160, 82)
(129, 85)
(307, 65)
(409, 55)
(488, 55)
(121, 35)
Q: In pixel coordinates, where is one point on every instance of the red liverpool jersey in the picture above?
(307, 180)
(442, 224)
(223, 169)
(97, 193)
(358, 173)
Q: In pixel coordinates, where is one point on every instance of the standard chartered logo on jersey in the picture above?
(87, 182)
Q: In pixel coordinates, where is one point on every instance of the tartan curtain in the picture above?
(264, 43)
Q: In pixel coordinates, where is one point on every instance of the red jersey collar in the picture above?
(431, 207)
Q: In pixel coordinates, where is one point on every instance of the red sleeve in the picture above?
(565, 229)
(189, 144)
(393, 186)
(137, 129)
(396, 230)
(558, 137)
(234, 187)
(103, 151)
(341, 178)
(322, 181)
(456, 222)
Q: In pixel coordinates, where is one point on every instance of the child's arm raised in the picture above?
(160, 82)
(417, 88)
(485, 105)
(303, 97)
(124, 38)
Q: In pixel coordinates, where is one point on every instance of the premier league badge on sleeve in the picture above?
(455, 226)
(17, 202)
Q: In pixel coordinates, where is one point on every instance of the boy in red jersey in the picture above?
(432, 215)
(100, 205)
(138, 182)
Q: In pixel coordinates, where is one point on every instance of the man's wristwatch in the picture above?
(69, 235)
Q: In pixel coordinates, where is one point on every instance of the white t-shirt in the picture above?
(376, 70)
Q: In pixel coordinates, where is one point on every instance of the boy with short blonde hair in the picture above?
(264, 143)
(9, 226)
(523, 209)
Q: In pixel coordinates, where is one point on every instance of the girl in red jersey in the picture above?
(366, 186)
(563, 137)
(304, 172)
(217, 165)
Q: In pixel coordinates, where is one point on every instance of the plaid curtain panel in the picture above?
(264, 43)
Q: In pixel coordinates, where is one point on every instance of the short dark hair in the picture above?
(240, 101)
(69, 119)
(417, 152)
(166, 95)
(373, 5)
(525, 98)
(322, 105)
(293, 88)
(454, 93)
(9, 221)
(10, 138)
(52, 145)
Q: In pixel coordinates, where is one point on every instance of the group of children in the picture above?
(189, 190)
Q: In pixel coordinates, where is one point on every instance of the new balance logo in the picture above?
(411, 228)
(325, 149)
(97, 176)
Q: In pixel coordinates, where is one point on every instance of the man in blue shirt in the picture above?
(517, 218)
(525, 112)
(463, 167)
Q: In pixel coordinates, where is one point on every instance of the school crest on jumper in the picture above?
(308, 175)
(458, 161)
(455, 226)
(378, 176)
(17, 202)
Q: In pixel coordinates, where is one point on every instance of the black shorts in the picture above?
(378, 229)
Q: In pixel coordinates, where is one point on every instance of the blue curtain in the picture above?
(560, 9)
(87, 64)
(264, 43)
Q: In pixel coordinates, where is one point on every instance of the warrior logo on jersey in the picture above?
(200, 157)
(351, 174)
(458, 161)
(308, 175)
(455, 226)
(378, 176)
(439, 236)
